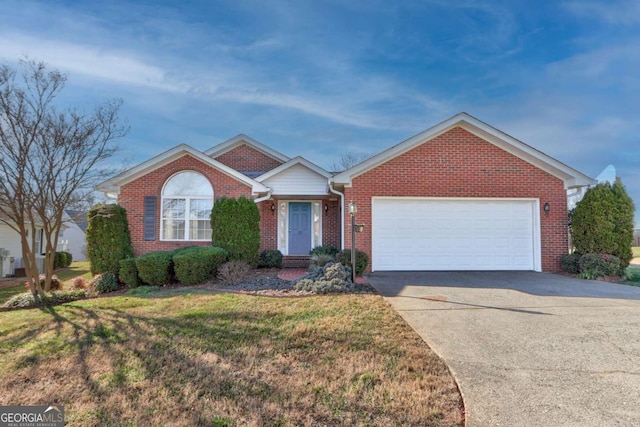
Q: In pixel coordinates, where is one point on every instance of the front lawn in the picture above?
(224, 359)
(636, 251)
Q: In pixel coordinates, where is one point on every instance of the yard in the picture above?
(201, 358)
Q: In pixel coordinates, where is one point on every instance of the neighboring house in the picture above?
(11, 251)
(72, 236)
(461, 195)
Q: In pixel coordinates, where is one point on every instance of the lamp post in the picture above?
(353, 210)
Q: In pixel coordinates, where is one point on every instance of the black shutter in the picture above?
(149, 218)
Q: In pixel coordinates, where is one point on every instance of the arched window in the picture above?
(187, 199)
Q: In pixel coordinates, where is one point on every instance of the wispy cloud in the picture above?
(116, 67)
(619, 12)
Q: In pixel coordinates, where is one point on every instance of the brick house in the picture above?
(461, 195)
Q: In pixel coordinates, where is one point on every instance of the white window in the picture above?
(187, 199)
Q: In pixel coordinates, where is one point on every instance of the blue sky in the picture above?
(322, 78)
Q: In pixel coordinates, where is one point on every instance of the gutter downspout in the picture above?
(341, 213)
(262, 199)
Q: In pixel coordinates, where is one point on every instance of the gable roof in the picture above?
(113, 185)
(240, 139)
(298, 160)
(571, 177)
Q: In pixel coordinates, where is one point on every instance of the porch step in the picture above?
(295, 261)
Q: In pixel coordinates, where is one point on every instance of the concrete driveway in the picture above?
(528, 349)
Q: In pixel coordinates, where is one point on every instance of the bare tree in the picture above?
(348, 160)
(48, 157)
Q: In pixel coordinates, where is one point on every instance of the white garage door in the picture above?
(455, 234)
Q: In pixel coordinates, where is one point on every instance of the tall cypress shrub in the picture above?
(623, 223)
(235, 227)
(108, 238)
(602, 222)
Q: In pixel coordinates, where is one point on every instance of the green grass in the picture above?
(636, 251)
(633, 275)
(76, 269)
(223, 359)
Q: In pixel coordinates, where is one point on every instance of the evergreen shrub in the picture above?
(362, 260)
(235, 227)
(197, 264)
(129, 272)
(155, 268)
(271, 259)
(108, 238)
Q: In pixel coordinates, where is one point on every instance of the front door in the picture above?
(299, 228)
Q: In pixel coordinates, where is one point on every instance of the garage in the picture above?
(455, 234)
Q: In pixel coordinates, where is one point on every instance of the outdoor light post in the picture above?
(352, 211)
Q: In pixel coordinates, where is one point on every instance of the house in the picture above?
(73, 238)
(11, 250)
(461, 195)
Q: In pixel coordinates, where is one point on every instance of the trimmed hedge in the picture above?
(105, 282)
(271, 259)
(129, 272)
(155, 268)
(62, 259)
(362, 260)
(197, 264)
(324, 250)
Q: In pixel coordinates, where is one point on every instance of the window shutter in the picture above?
(149, 218)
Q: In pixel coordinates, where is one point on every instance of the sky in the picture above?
(323, 78)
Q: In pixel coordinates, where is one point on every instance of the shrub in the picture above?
(233, 272)
(56, 284)
(235, 227)
(128, 272)
(198, 264)
(271, 259)
(593, 266)
(570, 263)
(362, 260)
(332, 278)
(155, 268)
(623, 223)
(324, 250)
(108, 238)
(56, 297)
(62, 259)
(105, 282)
(320, 260)
(602, 222)
(78, 283)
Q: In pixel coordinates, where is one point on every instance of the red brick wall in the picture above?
(132, 198)
(460, 164)
(245, 158)
(331, 223)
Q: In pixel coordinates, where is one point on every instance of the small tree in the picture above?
(108, 238)
(235, 227)
(602, 222)
(48, 156)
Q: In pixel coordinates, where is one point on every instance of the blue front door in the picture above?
(299, 228)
